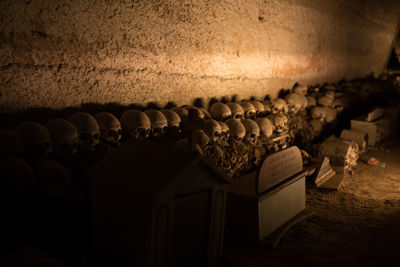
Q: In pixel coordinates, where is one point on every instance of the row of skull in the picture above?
(86, 130)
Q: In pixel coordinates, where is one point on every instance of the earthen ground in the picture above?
(357, 225)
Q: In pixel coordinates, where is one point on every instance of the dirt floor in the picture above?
(358, 225)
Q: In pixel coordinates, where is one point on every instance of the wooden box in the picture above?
(377, 129)
(262, 201)
(155, 205)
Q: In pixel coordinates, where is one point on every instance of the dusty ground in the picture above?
(358, 225)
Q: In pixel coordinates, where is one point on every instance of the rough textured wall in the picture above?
(64, 53)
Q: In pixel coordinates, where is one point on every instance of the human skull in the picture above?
(311, 101)
(260, 109)
(249, 109)
(300, 89)
(15, 177)
(280, 122)
(279, 106)
(182, 113)
(330, 94)
(266, 127)
(110, 127)
(325, 101)
(53, 179)
(201, 140)
(236, 110)
(331, 114)
(304, 102)
(159, 123)
(294, 102)
(329, 87)
(64, 136)
(220, 111)
(88, 129)
(340, 104)
(316, 127)
(174, 122)
(267, 106)
(136, 124)
(224, 129)
(318, 113)
(236, 128)
(36, 140)
(213, 128)
(207, 114)
(10, 143)
(252, 131)
(195, 111)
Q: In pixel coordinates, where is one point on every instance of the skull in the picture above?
(252, 131)
(36, 140)
(220, 111)
(236, 110)
(213, 128)
(249, 109)
(207, 115)
(318, 113)
(236, 129)
(311, 101)
(15, 176)
(201, 140)
(331, 114)
(281, 122)
(294, 102)
(329, 87)
(136, 124)
(267, 106)
(53, 178)
(224, 129)
(316, 127)
(340, 104)
(110, 128)
(266, 127)
(174, 122)
(325, 101)
(260, 109)
(64, 136)
(159, 123)
(279, 106)
(300, 89)
(195, 111)
(10, 143)
(88, 129)
(304, 102)
(182, 113)
(330, 94)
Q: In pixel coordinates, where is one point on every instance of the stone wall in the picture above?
(64, 53)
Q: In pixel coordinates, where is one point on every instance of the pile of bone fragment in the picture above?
(46, 162)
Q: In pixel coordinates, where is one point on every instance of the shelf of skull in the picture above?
(262, 201)
(156, 205)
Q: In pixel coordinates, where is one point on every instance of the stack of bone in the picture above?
(42, 165)
(235, 135)
(343, 154)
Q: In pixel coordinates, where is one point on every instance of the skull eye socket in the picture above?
(165, 128)
(216, 134)
(112, 133)
(96, 136)
(238, 116)
(252, 135)
(64, 147)
(142, 131)
(47, 145)
(85, 137)
(157, 130)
